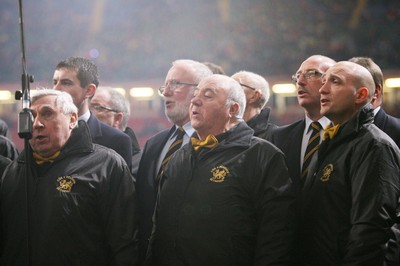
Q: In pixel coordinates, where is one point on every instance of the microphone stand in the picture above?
(25, 126)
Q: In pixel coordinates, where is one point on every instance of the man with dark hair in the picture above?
(389, 124)
(79, 77)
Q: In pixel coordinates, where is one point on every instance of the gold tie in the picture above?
(179, 134)
(330, 132)
(41, 160)
(210, 142)
(312, 147)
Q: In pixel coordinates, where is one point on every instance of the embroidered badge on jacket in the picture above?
(219, 173)
(66, 183)
(326, 173)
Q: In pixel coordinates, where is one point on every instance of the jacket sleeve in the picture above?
(374, 192)
(275, 202)
(118, 210)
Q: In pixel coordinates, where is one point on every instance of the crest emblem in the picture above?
(219, 173)
(65, 183)
(326, 173)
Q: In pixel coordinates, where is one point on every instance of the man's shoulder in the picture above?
(158, 137)
(394, 121)
(109, 131)
(389, 124)
(103, 133)
(289, 128)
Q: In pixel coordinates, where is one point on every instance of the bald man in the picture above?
(293, 139)
(351, 193)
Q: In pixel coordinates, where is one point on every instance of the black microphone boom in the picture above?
(25, 131)
(25, 116)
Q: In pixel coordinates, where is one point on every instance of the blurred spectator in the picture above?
(7, 147)
(215, 69)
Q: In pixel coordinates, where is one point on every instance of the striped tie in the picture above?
(312, 147)
(179, 133)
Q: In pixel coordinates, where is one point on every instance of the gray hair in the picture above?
(255, 81)
(234, 92)
(63, 99)
(236, 95)
(198, 70)
(119, 103)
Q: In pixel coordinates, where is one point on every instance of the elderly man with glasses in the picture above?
(256, 114)
(112, 108)
(177, 91)
(300, 140)
(293, 139)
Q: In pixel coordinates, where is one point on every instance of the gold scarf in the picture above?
(41, 160)
(330, 132)
(210, 142)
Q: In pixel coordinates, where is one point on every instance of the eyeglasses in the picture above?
(173, 85)
(308, 75)
(247, 86)
(101, 108)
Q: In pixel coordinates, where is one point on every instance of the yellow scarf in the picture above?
(330, 132)
(210, 142)
(41, 160)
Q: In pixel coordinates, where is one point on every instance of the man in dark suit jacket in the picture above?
(292, 139)
(180, 82)
(387, 123)
(391, 126)
(79, 77)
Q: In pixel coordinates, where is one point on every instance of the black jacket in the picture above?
(261, 125)
(136, 151)
(81, 208)
(145, 184)
(110, 137)
(388, 124)
(349, 200)
(230, 205)
(8, 148)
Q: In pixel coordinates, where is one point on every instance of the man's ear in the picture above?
(377, 95)
(362, 95)
(118, 120)
(254, 97)
(378, 91)
(90, 91)
(73, 120)
(233, 110)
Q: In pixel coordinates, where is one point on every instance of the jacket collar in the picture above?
(238, 136)
(348, 130)
(259, 122)
(363, 117)
(79, 142)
